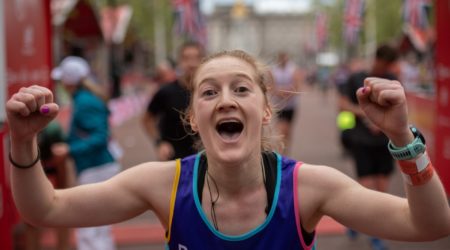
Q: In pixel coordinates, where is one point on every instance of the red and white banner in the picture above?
(27, 60)
(27, 49)
(442, 65)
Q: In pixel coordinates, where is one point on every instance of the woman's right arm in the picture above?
(126, 195)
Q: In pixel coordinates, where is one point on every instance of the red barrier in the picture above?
(27, 57)
(442, 129)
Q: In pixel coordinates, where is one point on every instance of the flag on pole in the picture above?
(321, 30)
(353, 13)
(189, 21)
(415, 13)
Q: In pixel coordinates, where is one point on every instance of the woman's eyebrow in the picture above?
(242, 75)
(213, 80)
(207, 80)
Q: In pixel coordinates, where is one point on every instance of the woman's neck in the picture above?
(237, 177)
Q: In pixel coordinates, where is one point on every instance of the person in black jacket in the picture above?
(162, 121)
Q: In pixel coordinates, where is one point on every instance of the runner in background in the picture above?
(373, 162)
(162, 121)
(88, 140)
(287, 81)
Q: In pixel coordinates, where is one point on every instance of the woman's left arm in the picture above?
(425, 213)
(423, 216)
(427, 210)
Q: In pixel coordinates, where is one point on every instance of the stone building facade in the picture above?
(262, 35)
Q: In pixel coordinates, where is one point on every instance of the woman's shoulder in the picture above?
(151, 182)
(151, 179)
(321, 176)
(158, 170)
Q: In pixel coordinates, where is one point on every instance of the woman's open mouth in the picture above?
(230, 130)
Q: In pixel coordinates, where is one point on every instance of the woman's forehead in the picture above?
(222, 66)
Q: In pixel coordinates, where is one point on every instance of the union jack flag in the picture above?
(321, 30)
(353, 13)
(189, 21)
(415, 12)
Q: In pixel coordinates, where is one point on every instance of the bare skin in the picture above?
(226, 88)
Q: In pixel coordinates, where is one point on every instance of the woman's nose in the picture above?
(226, 101)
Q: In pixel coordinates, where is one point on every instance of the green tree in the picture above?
(142, 22)
(385, 16)
(388, 19)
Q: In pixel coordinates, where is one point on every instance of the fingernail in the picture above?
(364, 90)
(45, 109)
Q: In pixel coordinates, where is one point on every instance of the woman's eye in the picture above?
(241, 89)
(208, 92)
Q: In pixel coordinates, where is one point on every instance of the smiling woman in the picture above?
(254, 198)
(246, 78)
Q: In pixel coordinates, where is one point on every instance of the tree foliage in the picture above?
(385, 15)
(142, 24)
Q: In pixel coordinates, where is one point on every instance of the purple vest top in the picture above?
(191, 230)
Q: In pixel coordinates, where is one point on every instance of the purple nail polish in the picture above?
(45, 109)
(364, 90)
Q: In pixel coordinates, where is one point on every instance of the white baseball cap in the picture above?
(71, 70)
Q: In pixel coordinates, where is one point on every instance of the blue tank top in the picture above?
(190, 229)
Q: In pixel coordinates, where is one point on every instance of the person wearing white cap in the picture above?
(87, 141)
(71, 70)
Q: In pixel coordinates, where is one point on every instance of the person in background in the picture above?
(372, 159)
(287, 80)
(164, 73)
(162, 121)
(88, 139)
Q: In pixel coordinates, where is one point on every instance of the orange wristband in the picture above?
(421, 177)
(415, 166)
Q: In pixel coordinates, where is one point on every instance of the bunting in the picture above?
(415, 13)
(189, 21)
(321, 30)
(353, 20)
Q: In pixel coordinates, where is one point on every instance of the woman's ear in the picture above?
(267, 115)
(193, 122)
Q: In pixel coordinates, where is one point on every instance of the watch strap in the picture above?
(410, 151)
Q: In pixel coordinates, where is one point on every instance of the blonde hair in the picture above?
(95, 88)
(269, 141)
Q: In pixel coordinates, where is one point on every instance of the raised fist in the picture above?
(29, 111)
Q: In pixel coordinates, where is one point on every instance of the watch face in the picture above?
(417, 133)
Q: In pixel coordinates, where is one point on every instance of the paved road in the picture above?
(315, 141)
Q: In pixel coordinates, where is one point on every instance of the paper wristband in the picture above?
(419, 178)
(415, 166)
